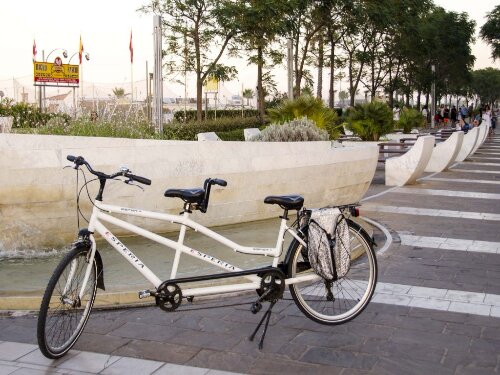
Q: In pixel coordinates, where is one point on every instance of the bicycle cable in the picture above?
(78, 194)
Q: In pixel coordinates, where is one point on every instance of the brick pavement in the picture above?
(387, 338)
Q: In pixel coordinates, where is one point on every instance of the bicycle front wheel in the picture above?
(65, 309)
(342, 300)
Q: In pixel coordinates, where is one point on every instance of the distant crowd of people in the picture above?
(465, 118)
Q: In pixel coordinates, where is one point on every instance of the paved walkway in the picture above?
(26, 359)
(436, 308)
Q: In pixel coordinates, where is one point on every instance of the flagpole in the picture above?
(131, 48)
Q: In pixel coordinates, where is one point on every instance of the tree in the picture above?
(259, 24)
(308, 18)
(490, 31)
(343, 95)
(486, 84)
(193, 29)
(248, 94)
(119, 92)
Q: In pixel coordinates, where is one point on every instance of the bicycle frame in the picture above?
(101, 212)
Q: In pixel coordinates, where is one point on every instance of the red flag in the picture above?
(80, 50)
(131, 48)
(34, 50)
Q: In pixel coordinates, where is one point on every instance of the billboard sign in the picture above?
(56, 72)
(212, 85)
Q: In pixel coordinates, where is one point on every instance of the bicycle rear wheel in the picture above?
(63, 314)
(349, 295)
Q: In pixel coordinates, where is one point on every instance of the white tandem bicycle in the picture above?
(71, 291)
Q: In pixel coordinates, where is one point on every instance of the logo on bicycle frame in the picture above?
(125, 250)
(212, 259)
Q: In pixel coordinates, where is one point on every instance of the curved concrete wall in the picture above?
(445, 153)
(37, 197)
(468, 144)
(405, 169)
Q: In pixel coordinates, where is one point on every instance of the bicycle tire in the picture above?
(351, 293)
(63, 316)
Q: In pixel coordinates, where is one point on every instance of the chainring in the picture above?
(169, 297)
(272, 286)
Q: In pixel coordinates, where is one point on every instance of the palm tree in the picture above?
(248, 94)
(119, 92)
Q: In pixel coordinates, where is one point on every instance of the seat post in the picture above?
(285, 214)
(187, 208)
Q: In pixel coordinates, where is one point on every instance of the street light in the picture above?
(65, 53)
(87, 57)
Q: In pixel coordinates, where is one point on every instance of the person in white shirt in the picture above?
(395, 113)
(487, 118)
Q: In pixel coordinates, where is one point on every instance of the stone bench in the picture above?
(6, 124)
(210, 136)
(407, 168)
(250, 133)
(468, 144)
(481, 137)
(445, 153)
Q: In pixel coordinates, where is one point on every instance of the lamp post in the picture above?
(433, 95)
(87, 57)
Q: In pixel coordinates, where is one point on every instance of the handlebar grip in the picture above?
(218, 181)
(78, 160)
(142, 180)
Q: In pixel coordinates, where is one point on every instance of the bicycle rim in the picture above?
(350, 294)
(63, 314)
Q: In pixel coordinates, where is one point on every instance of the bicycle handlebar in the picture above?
(79, 160)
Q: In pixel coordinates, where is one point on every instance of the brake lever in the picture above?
(130, 182)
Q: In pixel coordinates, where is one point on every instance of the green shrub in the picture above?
(295, 130)
(85, 127)
(370, 121)
(221, 113)
(307, 106)
(28, 115)
(410, 118)
(188, 131)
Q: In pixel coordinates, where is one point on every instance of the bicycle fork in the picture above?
(89, 259)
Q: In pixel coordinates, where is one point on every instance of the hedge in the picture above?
(29, 116)
(221, 113)
(226, 128)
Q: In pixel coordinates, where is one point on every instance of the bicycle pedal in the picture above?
(144, 294)
(256, 307)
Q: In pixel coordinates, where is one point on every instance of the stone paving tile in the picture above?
(222, 360)
(100, 343)
(332, 357)
(271, 365)
(215, 341)
(12, 351)
(5, 369)
(146, 331)
(417, 351)
(37, 358)
(409, 367)
(170, 369)
(91, 362)
(132, 366)
(158, 351)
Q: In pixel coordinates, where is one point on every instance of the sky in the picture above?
(105, 28)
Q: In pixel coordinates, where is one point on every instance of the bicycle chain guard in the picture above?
(169, 297)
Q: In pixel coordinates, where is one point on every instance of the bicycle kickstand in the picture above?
(267, 317)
